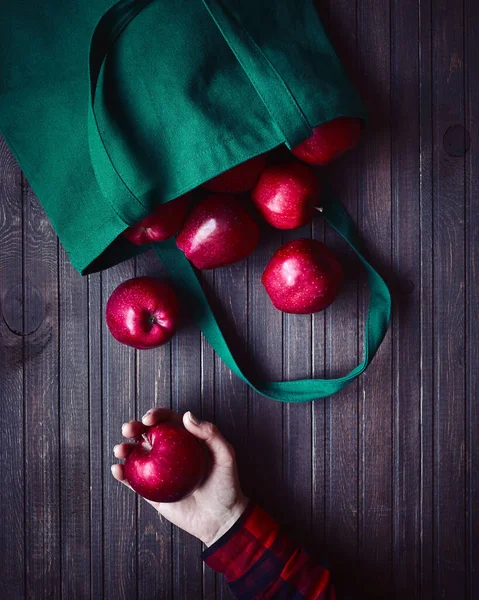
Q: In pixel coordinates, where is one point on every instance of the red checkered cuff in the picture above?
(243, 544)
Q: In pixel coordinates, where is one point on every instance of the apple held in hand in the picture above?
(167, 465)
(142, 313)
(162, 224)
(286, 195)
(302, 277)
(238, 179)
(329, 141)
(218, 232)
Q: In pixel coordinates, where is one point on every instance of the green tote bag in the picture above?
(114, 108)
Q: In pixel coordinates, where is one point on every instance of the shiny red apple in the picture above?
(168, 463)
(163, 223)
(329, 141)
(303, 277)
(238, 179)
(142, 313)
(218, 232)
(286, 195)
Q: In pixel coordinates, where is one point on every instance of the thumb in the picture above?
(221, 450)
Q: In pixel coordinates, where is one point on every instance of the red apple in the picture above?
(286, 195)
(303, 277)
(218, 232)
(329, 141)
(238, 179)
(162, 224)
(167, 464)
(142, 313)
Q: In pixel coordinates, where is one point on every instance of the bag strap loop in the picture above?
(187, 284)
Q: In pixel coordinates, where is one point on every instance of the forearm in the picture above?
(259, 560)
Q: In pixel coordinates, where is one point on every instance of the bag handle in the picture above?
(285, 112)
(186, 282)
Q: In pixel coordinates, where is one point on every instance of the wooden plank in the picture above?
(212, 583)
(186, 382)
(230, 392)
(153, 389)
(41, 389)
(341, 353)
(320, 477)
(449, 300)
(471, 17)
(265, 344)
(12, 568)
(297, 436)
(426, 298)
(375, 225)
(406, 241)
(336, 352)
(119, 406)
(100, 456)
(74, 438)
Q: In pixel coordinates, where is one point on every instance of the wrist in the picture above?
(230, 517)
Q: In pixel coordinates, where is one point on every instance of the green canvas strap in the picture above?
(186, 282)
(294, 127)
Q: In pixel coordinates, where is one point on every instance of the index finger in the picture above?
(158, 415)
(132, 430)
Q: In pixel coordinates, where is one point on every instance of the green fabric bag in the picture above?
(112, 109)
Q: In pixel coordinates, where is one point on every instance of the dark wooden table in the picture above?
(382, 478)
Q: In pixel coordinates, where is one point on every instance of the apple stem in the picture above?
(148, 444)
(319, 209)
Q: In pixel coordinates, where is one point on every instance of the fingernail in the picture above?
(194, 419)
(124, 425)
(148, 412)
(114, 448)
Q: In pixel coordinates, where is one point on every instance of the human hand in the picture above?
(213, 507)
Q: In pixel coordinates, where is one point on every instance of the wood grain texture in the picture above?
(471, 70)
(73, 425)
(426, 203)
(99, 459)
(231, 395)
(211, 581)
(12, 490)
(449, 303)
(374, 222)
(264, 475)
(297, 435)
(153, 388)
(381, 479)
(186, 395)
(120, 556)
(43, 501)
(335, 351)
(406, 256)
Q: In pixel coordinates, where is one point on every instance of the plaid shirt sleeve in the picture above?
(260, 561)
